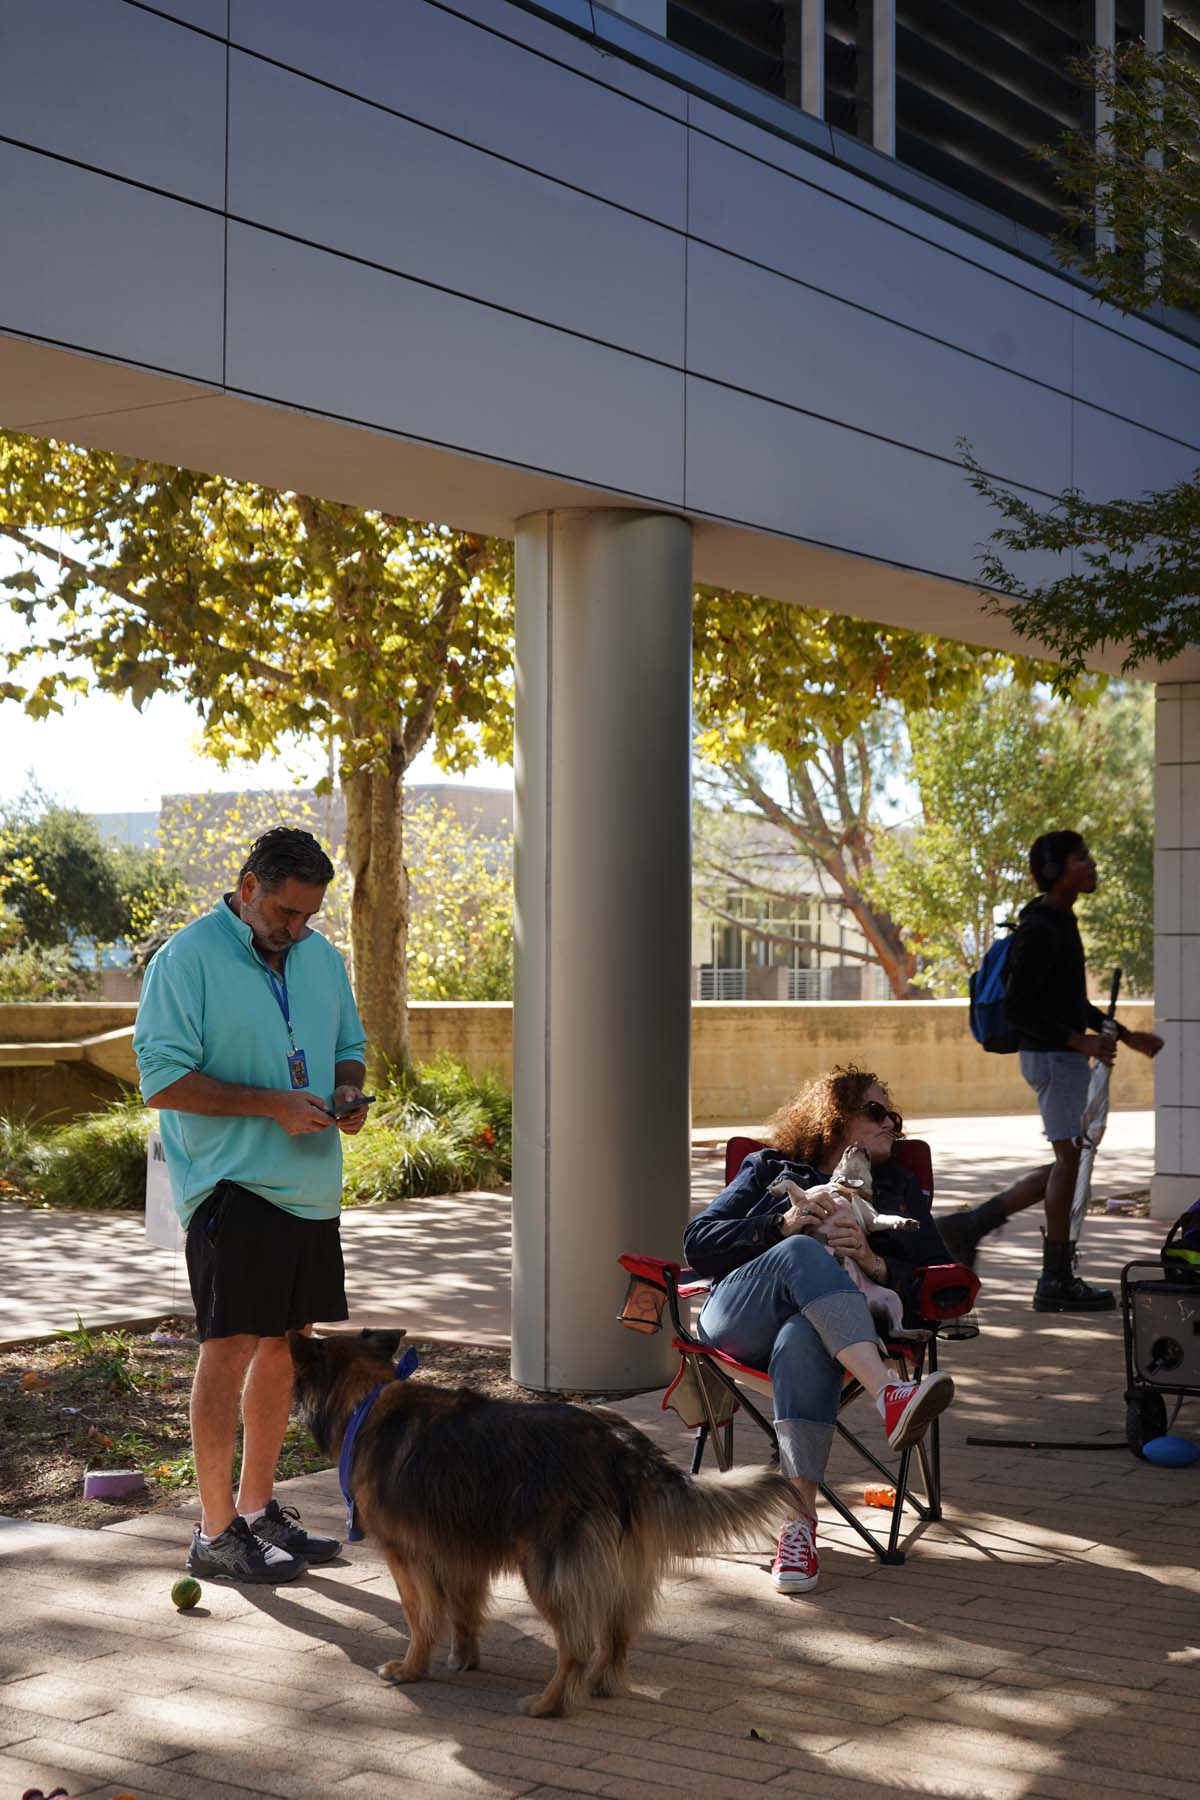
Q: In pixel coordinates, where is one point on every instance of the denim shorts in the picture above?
(1060, 1079)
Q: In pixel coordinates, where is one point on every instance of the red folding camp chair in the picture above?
(710, 1387)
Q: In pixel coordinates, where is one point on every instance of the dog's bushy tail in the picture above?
(713, 1512)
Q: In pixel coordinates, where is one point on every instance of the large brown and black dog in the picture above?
(455, 1487)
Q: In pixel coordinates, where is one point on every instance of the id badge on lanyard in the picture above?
(297, 1062)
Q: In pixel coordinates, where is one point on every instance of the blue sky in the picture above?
(101, 755)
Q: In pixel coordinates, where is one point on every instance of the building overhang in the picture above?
(105, 404)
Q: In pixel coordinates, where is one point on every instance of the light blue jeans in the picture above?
(790, 1311)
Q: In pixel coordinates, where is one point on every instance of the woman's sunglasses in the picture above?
(871, 1109)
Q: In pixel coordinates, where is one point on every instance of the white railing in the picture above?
(722, 984)
(809, 984)
(731, 984)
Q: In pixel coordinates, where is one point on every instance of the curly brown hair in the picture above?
(816, 1123)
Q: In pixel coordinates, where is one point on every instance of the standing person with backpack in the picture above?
(1051, 1022)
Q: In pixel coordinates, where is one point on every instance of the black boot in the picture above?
(962, 1232)
(1061, 1290)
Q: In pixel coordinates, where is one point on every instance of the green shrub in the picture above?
(98, 1162)
(22, 1154)
(442, 1086)
(35, 972)
(103, 1354)
(435, 1129)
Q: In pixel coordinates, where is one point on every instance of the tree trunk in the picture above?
(379, 906)
(894, 956)
(842, 849)
(895, 959)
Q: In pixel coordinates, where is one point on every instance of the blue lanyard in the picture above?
(279, 989)
(400, 1372)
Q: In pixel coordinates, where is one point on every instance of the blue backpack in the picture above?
(988, 1016)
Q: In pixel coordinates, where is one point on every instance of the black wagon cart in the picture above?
(1160, 1306)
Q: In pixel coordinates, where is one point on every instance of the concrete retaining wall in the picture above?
(749, 1056)
(64, 1057)
(746, 1059)
(61, 1059)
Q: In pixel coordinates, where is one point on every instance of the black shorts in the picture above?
(257, 1270)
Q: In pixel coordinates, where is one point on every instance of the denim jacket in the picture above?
(742, 1221)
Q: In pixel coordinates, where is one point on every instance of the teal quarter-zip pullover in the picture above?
(208, 1007)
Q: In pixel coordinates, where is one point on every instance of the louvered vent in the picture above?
(980, 84)
(744, 37)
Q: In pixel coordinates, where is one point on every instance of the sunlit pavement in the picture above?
(1043, 1640)
(445, 1262)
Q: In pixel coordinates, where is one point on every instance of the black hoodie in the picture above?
(1045, 994)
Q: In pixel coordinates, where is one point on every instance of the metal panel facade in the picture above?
(790, 224)
(355, 178)
(460, 223)
(782, 470)
(105, 267)
(117, 88)
(441, 70)
(784, 340)
(316, 331)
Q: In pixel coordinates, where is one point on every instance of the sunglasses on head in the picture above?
(879, 1114)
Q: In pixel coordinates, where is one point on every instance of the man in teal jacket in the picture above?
(248, 1042)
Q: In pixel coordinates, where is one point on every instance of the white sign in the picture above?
(162, 1221)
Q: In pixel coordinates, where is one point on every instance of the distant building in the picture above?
(489, 809)
(795, 940)
(185, 819)
(140, 829)
(732, 961)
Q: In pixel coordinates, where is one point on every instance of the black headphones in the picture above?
(1050, 870)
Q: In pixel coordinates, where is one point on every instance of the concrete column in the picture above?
(1177, 948)
(603, 934)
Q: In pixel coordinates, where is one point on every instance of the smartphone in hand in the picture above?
(345, 1112)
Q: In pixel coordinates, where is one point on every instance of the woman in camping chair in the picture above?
(781, 1302)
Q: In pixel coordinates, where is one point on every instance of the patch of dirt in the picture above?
(119, 1400)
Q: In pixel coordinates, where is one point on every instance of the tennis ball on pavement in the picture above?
(185, 1592)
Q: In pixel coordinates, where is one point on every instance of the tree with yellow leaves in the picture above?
(280, 616)
(798, 715)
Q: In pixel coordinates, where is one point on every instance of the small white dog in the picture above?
(854, 1172)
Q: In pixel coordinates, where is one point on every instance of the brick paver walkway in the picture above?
(1042, 1643)
(451, 1277)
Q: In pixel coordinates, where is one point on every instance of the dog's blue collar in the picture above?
(358, 1418)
